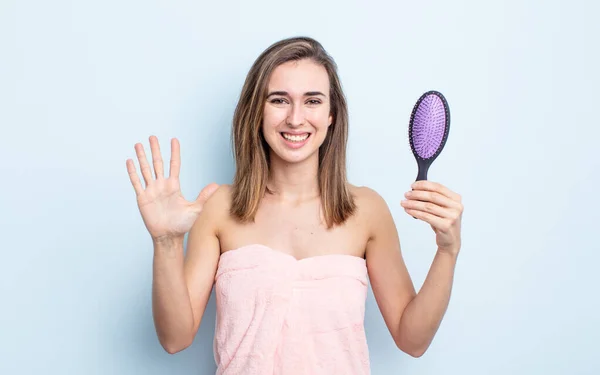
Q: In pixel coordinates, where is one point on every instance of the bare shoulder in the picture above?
(215, 209)
(372, 210)
(368, 201)
(220, 200)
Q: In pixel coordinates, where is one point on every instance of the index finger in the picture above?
(134, 178)
(437, 187)
(175, 159)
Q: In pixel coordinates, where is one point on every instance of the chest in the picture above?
(298, 230)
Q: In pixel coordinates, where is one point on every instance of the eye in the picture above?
(314, 101)
(278, 101)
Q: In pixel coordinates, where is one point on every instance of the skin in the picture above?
(182, 286)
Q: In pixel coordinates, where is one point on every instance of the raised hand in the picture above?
(166, 213)
(441, 208)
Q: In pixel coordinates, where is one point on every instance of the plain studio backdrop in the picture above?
(82, 81)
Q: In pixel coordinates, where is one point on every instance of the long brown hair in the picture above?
(251, 151)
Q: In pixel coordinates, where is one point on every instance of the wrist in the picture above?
(451, 251)
(167, 239)
(168, 245)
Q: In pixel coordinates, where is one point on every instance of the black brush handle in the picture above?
(423, 168)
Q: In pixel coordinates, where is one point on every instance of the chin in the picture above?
(294, 157)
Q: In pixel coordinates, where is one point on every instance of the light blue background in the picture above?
(81, 82)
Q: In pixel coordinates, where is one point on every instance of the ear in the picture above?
(330, 120)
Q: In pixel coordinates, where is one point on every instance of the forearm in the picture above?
(422, 316)
(171, 306)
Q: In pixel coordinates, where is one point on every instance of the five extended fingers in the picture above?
(157, 162)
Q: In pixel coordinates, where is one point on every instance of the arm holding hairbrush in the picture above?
(414, 318)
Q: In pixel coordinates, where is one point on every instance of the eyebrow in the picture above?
(285, 93)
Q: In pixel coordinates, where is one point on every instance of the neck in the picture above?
(294, 182)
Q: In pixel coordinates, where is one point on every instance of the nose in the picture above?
(295, 116)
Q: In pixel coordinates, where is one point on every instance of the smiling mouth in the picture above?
(295, 137)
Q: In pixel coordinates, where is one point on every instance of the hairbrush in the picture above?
(428, 130)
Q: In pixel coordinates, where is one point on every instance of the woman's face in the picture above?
(297, 110)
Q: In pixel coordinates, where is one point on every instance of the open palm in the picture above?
(166, 213)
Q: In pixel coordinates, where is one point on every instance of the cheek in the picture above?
(268, 123)
(320, 118)
(272, 117)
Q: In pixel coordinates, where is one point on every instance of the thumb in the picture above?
(205, 194)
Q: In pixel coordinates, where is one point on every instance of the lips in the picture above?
(301, 137)
(295, 140)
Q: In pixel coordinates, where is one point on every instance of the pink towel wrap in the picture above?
(277, 315)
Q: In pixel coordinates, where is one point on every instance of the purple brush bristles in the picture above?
(429, 126)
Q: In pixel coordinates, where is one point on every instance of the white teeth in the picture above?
(295, 138)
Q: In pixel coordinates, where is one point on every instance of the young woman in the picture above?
(290, 245)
